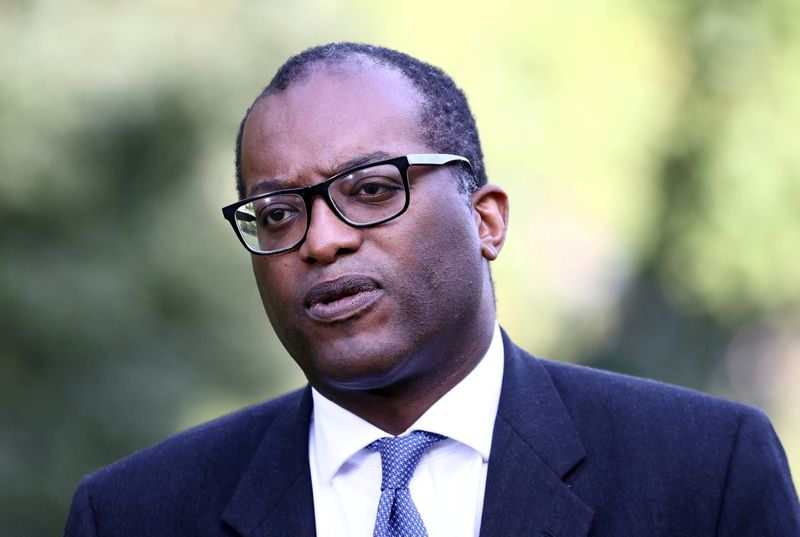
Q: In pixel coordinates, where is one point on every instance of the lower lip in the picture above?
(344, 308)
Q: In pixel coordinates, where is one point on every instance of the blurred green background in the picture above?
(650, 149)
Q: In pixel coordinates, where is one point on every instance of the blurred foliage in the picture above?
(649, 148)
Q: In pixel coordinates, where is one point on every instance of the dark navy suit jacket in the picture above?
(575, 452)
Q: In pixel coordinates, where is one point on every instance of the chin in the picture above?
(366, 368)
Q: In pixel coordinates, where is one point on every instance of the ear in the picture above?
(490, 210)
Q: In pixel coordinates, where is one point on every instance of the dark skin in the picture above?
(389, 352)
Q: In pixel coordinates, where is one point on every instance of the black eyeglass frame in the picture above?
(322, 189)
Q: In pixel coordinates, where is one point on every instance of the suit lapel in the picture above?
(534, 446)
(274, 495)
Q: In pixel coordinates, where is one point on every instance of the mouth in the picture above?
(342, 298)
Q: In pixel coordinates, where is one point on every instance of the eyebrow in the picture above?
(366, 158)
(268, 185)
(271, 185)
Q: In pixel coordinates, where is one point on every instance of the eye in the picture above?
(374, 189)
(275, 217)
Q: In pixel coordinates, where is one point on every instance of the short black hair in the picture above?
(445, 117)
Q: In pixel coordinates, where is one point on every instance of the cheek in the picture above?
(273, 281)
(442, 259)
(448, 239)
(276, 285)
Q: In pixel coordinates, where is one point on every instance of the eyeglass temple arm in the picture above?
(435, 159)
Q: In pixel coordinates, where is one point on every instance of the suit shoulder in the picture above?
(647, 405)
(191, 453)
(593, 379)
(185, 482)
(655, 438)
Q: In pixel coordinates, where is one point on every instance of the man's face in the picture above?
(368, 308)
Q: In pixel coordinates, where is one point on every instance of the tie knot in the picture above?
(400, 456)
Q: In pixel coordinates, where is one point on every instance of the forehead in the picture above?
(331, 116)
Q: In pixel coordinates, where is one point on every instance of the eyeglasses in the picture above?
(363, 196)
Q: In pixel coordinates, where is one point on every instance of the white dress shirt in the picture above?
(448, 484)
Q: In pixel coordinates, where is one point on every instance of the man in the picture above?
(365, 206)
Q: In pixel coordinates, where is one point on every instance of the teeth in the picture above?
(340, 296)
(332, 291)
(343, 306)
(339, 299)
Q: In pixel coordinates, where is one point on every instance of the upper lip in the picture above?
(343, 286)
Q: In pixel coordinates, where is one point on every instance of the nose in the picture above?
(327, 237)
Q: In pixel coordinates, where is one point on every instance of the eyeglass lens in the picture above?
(363, 197)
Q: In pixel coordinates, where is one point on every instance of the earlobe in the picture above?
(490, 210)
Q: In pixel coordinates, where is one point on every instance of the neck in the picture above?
(395, 407)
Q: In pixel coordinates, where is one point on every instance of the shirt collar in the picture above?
(465, 414)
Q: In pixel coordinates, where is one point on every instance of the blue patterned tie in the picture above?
(397, 514)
